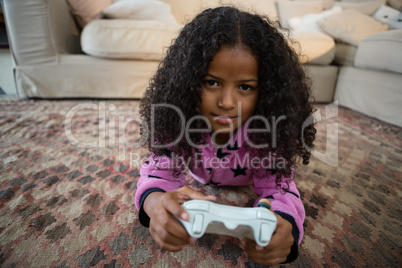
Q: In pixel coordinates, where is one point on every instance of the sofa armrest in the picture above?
(40, 30)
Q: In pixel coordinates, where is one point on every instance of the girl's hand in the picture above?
(161, 208)
(278, 248)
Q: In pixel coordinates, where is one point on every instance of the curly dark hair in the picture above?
(284, 88)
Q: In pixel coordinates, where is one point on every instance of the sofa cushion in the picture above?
(128, 39)
(314, 48)
(140, 10)
(290, 9)
(366, 7)
(326, 4)
(323, 81)
(185, 10)
(345, 54)
(381, 51)
(264, 7)
(351, 26)
(85, 11)
(373, 93)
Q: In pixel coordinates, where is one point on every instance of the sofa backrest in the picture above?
(40, 30)
(185, 10)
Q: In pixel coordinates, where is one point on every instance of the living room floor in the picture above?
(63, 204)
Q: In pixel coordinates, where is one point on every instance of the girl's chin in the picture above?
(221, 137)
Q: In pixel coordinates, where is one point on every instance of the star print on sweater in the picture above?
(214, 183)
(210, 170)
(239, 171)
(221, 154)
(233, 147)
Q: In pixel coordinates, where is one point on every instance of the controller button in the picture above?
(198, 222)
(264, 233)
(198, 206)
(230, 226)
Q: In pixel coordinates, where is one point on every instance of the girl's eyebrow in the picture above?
(242, 81)
(213, 76)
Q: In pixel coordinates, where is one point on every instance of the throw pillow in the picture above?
(140, 10)
(397, 4)
(290, 9)
(366, 7)
(390, 16)
(265, 7)
(185, 10)
(308, 23)
(351, 26)
(85, 11)
(326, 4)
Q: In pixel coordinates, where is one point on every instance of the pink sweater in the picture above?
(236, 165)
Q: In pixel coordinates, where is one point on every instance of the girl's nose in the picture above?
(226, 100)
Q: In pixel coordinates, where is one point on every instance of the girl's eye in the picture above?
(211, 83)
(246, 87)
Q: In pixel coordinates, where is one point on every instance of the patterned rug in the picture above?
(69, 171)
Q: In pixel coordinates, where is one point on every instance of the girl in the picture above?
(228, 104)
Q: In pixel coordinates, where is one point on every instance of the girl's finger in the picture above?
(165, 245)
(173, 207)
(188, 193)
(172, 232)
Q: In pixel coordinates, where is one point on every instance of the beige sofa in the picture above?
(115, 58)
(49, 62)
(372, 84)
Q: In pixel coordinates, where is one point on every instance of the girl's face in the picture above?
(230, 90)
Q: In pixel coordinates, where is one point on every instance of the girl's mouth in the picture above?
(224, 119)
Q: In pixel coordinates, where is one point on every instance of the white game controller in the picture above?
(257, 223)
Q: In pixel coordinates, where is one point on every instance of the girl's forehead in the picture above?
(236, 47)
(234, 54)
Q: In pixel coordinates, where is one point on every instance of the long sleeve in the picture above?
(159, 173)
(285, 199)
